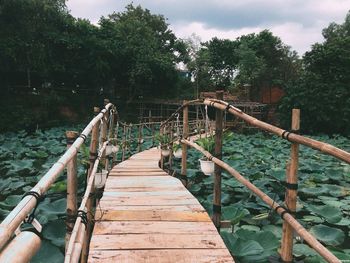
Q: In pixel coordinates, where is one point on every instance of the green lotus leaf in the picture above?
(314, 219)
(303, 250)
(55, 232)
(240, 247)
(48, 253)
(234, 213)
(330, 213)
(328, 235)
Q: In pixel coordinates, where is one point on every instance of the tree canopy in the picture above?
(323, 90)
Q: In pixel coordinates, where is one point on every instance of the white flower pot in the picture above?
(165, 152)
(100, 179)
(111, 149)
(178, 153)
(207, 167)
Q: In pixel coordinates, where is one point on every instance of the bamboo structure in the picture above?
(217, 171)
(72, 186)
(312, 241)
(21, 249)
(23, 208)
(184, 147)
(291, 192)
(139, 138)
(90, 202)
(79, 231)
(290, 136)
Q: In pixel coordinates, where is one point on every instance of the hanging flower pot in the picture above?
(111, 149)
(178, 153)
(165, 152)
(177, 150)
(207, 166)
(100, 179)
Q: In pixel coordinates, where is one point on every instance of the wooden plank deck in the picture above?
(145, 215)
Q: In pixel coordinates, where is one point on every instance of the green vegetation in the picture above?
(322, 91)
(323, 196)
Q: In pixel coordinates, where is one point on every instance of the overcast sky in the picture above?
(297, 22)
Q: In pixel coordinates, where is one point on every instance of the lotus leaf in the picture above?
(328, 235)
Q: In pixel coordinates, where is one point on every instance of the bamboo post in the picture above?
(104, 134)
(161, 132)
(72, 187)
(184, 146)
(291, 192)
(217, 172)
(22, 248)
(90, 201)
(139, 139)
(171, 144)
(124, 143)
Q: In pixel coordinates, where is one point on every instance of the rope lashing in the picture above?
(83, 215)
(285, 134)
(39, 198)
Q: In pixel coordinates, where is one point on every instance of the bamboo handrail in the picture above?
(78, 226)
(23, 208)
(292, 137)
(310, 239)
(172, 116)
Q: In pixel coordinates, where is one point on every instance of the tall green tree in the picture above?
(323, 90)
(144, 52)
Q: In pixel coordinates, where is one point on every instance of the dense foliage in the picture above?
(323, 90)
(260, 60)
(131, 53)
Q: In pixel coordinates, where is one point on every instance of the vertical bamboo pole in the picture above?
(171, 144)
(110, 135)
(124, 143)
(161, 132)
(139, 138)
(72, 187)
(184, 146)
(104, 133)
(90, 201)
(217, 172)
(291, 192)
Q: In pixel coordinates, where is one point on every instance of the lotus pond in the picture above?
(323, 196)
(323, 204)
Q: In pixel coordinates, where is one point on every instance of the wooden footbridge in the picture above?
(145, 214)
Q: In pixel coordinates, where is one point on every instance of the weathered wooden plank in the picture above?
(139, 173)
(154, 227)
(161, 194)
(143, 189)
(162, 256)
(149, 200)
(155, 241)
(151, 215)
(142, 181)
(188, 208)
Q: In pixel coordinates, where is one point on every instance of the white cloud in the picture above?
(298, 22)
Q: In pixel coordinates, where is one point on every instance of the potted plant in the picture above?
(164, 141)
(177, 150)
(207, 144)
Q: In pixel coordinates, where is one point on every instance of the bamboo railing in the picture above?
(290, 223)
(25, 244)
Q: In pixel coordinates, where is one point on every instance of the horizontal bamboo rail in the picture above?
(20, 212)
(292, 137)
(311, 240)
(76, 240)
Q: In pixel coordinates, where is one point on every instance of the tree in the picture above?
(323, 90)
(145, 52)
(261, 60)
(25, 32)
